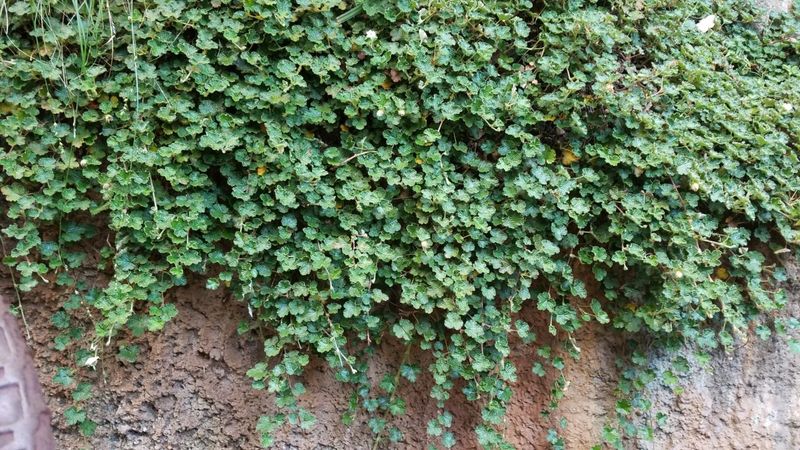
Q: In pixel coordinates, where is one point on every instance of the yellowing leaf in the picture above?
(261, 170)
(568, 157)
(722, 273)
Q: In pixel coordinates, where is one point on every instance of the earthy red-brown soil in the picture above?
(188, 391)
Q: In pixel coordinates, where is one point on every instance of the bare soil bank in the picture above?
(189, 391)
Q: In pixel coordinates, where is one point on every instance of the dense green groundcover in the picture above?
(423, 169)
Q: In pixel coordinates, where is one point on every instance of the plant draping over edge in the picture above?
(416, 169)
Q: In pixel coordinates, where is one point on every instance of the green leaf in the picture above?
(128, 353)
(63, 377)
(87, 428)
(82, 392)
(599, 314)
(74, 416)
(453, 321)
(403, 329)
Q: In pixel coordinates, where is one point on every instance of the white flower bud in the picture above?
(91, 361)
(707, 23)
